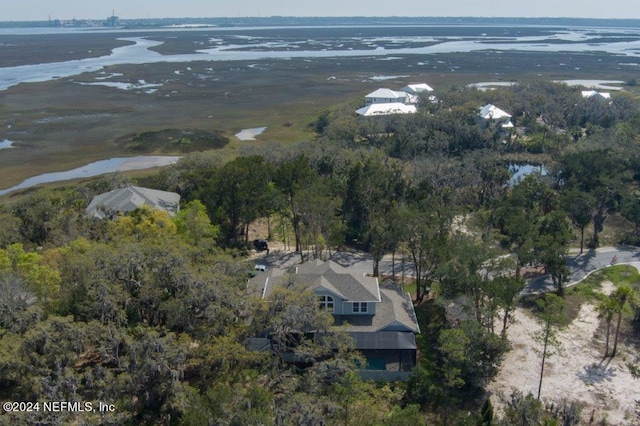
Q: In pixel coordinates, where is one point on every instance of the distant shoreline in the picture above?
(154, 23)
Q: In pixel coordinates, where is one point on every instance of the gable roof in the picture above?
(592, 93)
(318, 275)
(130, 198)
(395, 312)
(492, 112)
(386, 109)
(339, 280)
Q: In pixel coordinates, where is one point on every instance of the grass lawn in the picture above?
(590, 289)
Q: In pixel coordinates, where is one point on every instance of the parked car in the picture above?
(261, 268)
(260, 245)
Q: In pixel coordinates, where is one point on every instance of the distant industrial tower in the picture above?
(113, 20)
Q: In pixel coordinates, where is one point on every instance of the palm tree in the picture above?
(621, 296)
(606, 309)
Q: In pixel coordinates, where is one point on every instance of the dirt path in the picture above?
(604, 388)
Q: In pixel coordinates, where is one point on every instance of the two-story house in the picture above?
(380, 318)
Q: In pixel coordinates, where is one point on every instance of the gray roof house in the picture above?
(380, 318)
(130, 198)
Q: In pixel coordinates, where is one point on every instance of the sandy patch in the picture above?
(604, 388)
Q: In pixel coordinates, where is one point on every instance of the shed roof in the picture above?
(384, 340)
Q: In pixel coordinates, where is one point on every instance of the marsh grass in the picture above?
(173, 140)
(60, 124)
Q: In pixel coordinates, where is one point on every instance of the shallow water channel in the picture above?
(97, 168)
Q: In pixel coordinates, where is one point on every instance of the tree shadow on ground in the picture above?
(581, 262)
(597, 373)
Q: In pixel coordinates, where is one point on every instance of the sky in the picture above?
(128, 9)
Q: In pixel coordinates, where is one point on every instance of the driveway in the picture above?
(357, 261)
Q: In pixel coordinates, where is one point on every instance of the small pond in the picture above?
(97, 168)
(520, 170)
(6, 144)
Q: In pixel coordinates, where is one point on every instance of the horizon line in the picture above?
(323, 17)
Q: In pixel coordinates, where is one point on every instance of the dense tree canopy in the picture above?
(149, 312)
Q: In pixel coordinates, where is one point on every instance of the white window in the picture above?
(326, 303)
(360, 307)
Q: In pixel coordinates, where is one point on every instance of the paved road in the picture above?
(586, 263)
(580, 265)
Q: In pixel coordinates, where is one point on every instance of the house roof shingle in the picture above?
(394, 308)
(130, 198)
(394, 313)
(384, 340)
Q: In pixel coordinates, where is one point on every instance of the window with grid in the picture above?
(360, 307)
(326, 303)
